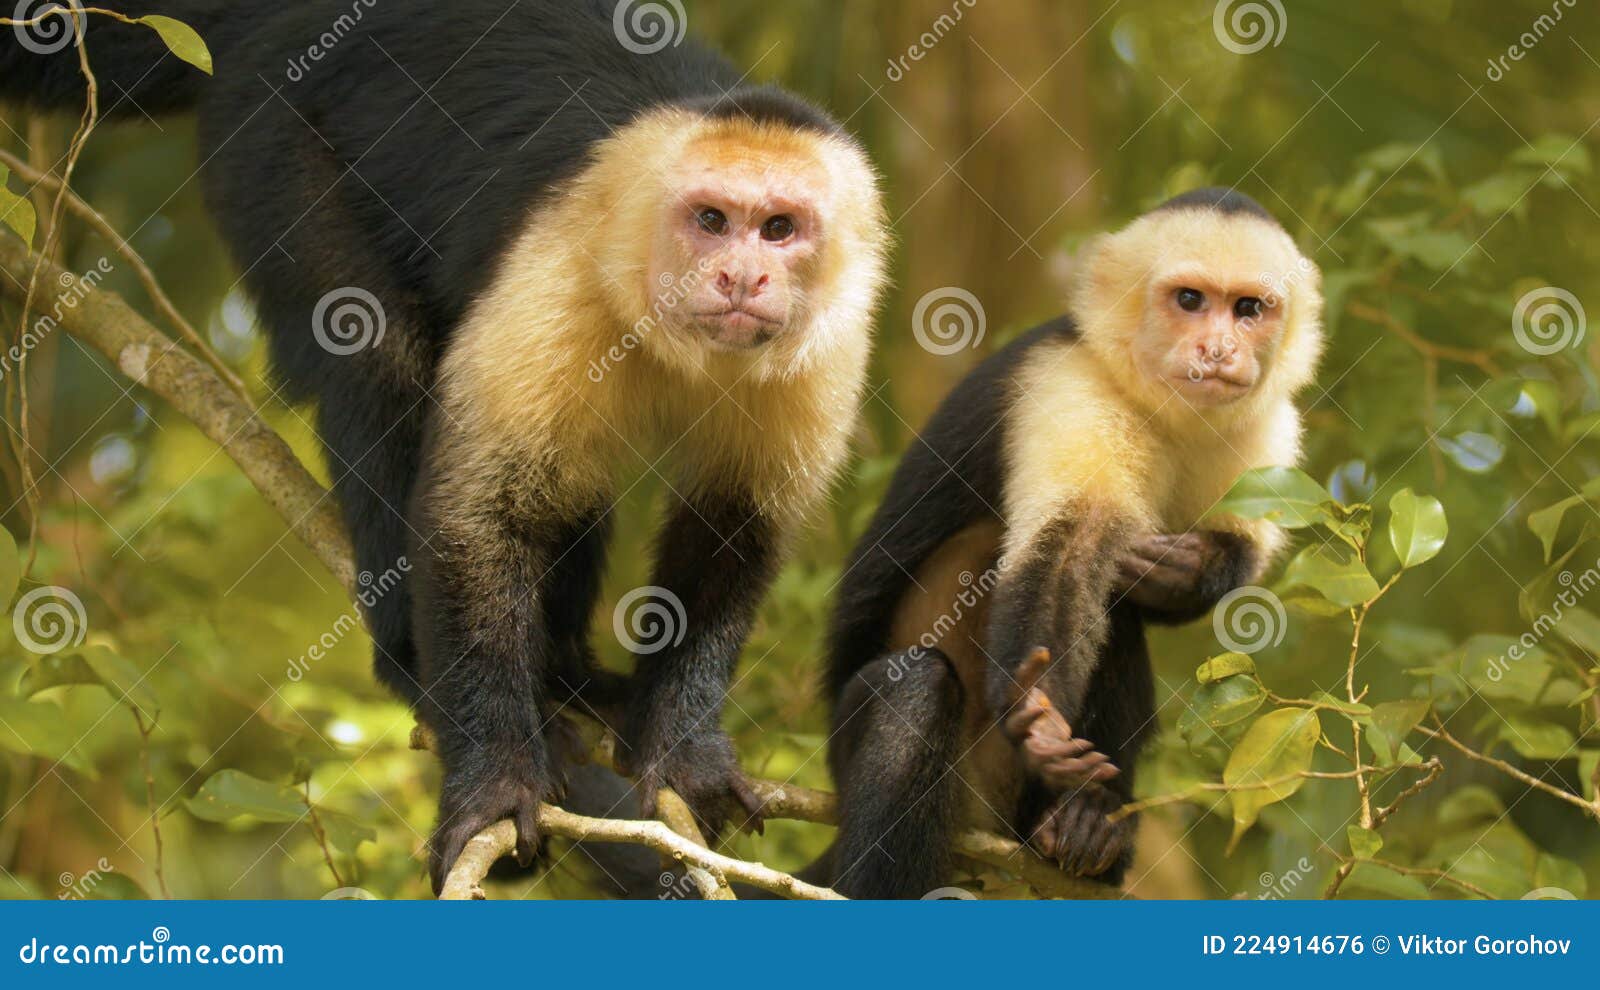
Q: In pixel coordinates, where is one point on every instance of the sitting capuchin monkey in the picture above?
(519, 253)
(987, 657)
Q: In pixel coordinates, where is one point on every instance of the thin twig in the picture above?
(150, 798)
(1593, 808)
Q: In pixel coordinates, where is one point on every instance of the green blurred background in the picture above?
(1434, 191)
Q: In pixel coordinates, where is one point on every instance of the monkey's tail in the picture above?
(135, 71)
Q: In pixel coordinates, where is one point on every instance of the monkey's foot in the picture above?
(1052, 754)
(1077, 832)
(703, 771)
(481, 793)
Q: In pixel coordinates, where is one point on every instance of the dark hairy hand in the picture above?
(1052, 754)
(1183, 573)
(1077, 832)
(703, 770)
(486, 789)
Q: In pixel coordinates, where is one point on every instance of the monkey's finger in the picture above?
(1030, 671)
(528, 838)
(754, 806)
(1176, 552)
(1022, 716)
(1048, 747)
(1109, 847)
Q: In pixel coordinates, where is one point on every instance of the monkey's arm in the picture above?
(487, 648)
(714, 561)
(1055, 593)
(1177, 578)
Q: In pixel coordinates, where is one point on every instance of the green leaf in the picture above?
(233, 794)
(1546, 522)
(16, 211)
(1435, 249)
(1588, 763)
(93, 665)
(1222, 703)
(10, 567)
(1473, 804)
(1226, 665)
(1563, 874)
(1499, 193)
(1417, 527)
(1370, 881)
(1335, 572)
(1556, 151)
(39, 730)
(1392, 721)
(1535, 739)
(1504, 669)
(1364, 842)
(1581, 628)
(344, 833)
(1279, 745)
(1284, 495)
(182, 39)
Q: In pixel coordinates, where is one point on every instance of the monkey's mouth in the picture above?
(1213, 387)
(738, 329)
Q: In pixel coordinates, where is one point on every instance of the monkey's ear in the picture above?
(1090, 269)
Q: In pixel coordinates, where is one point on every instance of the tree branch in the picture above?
(149, 357)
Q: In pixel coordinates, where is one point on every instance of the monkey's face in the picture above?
(1207, 336)
(1200, 307)
(737, 247)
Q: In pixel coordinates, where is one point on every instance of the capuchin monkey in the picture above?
(987, 657)
(517, 256)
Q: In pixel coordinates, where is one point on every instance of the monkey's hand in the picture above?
(1182, 576)
(704, 771)
(1077, 832)
(1052, 754)
(483, 789)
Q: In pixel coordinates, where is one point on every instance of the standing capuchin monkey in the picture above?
(515, 253)
(988, 661)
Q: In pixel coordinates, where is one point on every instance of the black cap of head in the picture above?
(1227, 202)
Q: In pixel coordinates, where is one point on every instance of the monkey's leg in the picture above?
(1073, 826)
(897, 740)
(714, 562)
(488, 652)
(1179, 578)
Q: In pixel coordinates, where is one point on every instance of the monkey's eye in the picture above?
(777, 229)
(1249, 308)
(713, 221)
(1191, 300)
